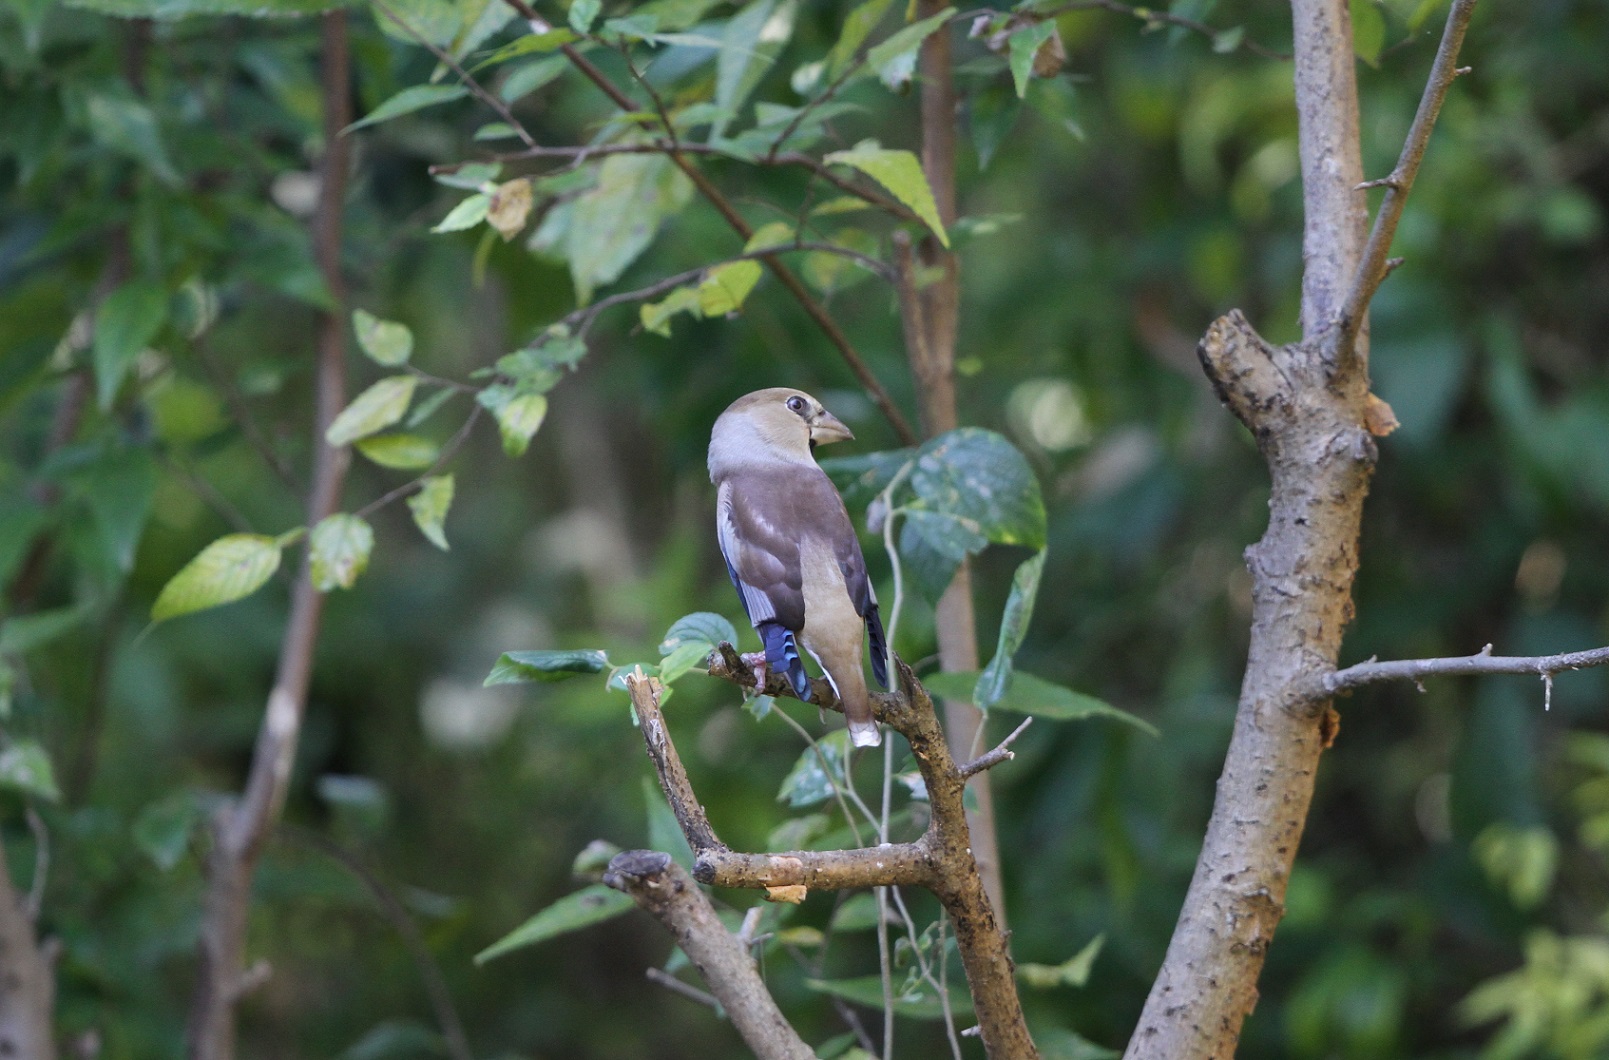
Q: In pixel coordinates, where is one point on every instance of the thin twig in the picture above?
(448, 451)
(1482, 662)
(1001, 753)
(663, 978)
(1372, 269)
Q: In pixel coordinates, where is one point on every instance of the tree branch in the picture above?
(1373, 268)
(28, 987)
(1482, 662)
(239, 830)
(1002, 752)
(662, 888)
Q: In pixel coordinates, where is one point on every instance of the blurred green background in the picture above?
(1451, 893)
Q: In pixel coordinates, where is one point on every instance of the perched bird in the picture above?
(791, 550)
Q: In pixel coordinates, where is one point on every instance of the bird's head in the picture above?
(779, 423)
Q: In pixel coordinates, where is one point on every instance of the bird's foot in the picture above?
(755, 660)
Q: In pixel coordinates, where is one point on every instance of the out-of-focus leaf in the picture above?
(656, 316)
(545, 667)
(861, 478)
(125, 323)
(232, 567)
(26, 768)
(857, 913)
(24, 633)
(1523, 861)
(901, 47)
(118, 488)
(583, 13)
(664, 832)
(1013, 628)
(1027, 694)
(429, 507)
(1058, 1043)
(362, 803)
(402, 451)
(531, 77)
(18, 528)
(749, 46)
(1024, 46)
(1074, 971)
(510, 207)
(387, 342)
(375, 409)
(901, 174)
(436, 21)
(1368, 30)
(395, 1038)
(588, 906)
(812, 777)
(918, 1001)
(857, 27)
(163, 829)
(726, 287)
(418, 97)
(125, 123)
(467, 214)
(519, 415)
(991, 113)
(341, 545)
(615, 221)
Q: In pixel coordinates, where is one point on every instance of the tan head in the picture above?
(777, 425)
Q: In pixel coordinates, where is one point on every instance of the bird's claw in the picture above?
(755, 660)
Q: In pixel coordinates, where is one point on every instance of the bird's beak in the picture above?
(829, 428)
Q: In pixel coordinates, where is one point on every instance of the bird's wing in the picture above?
(761, 549)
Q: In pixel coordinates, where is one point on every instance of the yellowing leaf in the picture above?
(655, 316)
(340, 551)
(402, 451)
(726, 286)
(385, 341)
(231, 567)
(510, 208)
(373, 410)
(901, 174)
(429, 507)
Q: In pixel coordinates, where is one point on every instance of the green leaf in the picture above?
(726, 286)
(901, 47)
(163, 829)
(436, 21)
(588, 906)
(391, 1039)
(428, 406)
(1013, 628)
(373, 410)
(1058, 1043)
(26, 768)
(429, 507)
(119, 488)
(232, 567)
(1027, 694)
(917, 1000)
(525, 667)
(771, 234)
(978, 476)
(812, 777)
(858, 913)
(749, 46)
(857, 27)
(402, 451)
(125, 323)
(467, 214)
(664, 832)
(1368, 30)
(533, 76)
(418, 97)
(583, 13)
(340, 545)
(24, 633)
(387, 342)
(613, 223)
(1024, 45)
(549, 41)
(656, 316)
(705, 628)
(18, 528)
(122, 122)
(519, 415)
(901, 174)
(1226, 41)
(1072, 972)
(1425, 9)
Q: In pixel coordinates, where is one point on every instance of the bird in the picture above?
(791, 550)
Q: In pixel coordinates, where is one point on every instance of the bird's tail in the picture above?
(857, 701)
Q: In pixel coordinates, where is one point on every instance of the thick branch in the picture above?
(663, 888)
(1373, 268)
(241, 829)
(1482, 662)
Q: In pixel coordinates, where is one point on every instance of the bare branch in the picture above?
(1373, 268)
(1482, 662)
(662, 888)
(1002, 752)
(687, 990)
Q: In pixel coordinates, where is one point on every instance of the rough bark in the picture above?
(239, 830)
(1306, 404)
(27, 980)
(663, 889)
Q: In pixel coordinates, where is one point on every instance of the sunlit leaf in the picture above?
(548, 41)
(901, 47)
(375, 409)
(726, 287)
(524, 667)
(402, 451)
(340, 545)
(901, 173)
(588, 906)
(656, 316)
(230, 568)
(429, 507)
(467, 214)
(386, 342)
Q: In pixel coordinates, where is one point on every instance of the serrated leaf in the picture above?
(519, 415)
(1013, 628)
(373, 410)
(340, 545)
(901, 47)
(26, 768)
(232, 567)
(1023, 46)
(125, 323)
(917, 1001)
(429, 507)
(467, 214)
(401, 451)
(588, 906)
(386, 342)
(726, 286)
(1027, 694)
(525, 667)
(417, 97)
(163, 829)
(900, 173)
(1072, 972)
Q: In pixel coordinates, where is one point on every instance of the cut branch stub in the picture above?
(1244, 372)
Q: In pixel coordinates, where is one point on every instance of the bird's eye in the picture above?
(797, 404)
